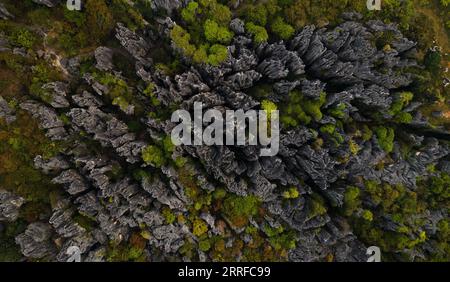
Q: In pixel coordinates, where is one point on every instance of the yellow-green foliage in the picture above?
(291, 193)
(367, 215)
(182, 38)
(126, 14)
(268, 106)
(205, 29)
(215, 33)
(199, 227)
(366, 133)
(316, 206)
(239, 209)
(282, 29)
(168, 215)
(385, 138)
(436, 190)
(153, 155)
(338, 112)
(149, 92)
(353, 146)
(351, 200)
(119, 92)
(259, 33)
(124, 252)
(301, 110)
(330, 131)
(204, 245)
(401, 100)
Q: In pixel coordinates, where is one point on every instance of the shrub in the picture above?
(403, 117)
(353, 146)
(181, 39)
(199, 227)
(215, 33)
(154, 156)
(385, 138)
(168, 215)
(217, 54)
(22, 37)
(312, 107)
(259, 33)
(432, 61)
(401, 100)
(204, 245)
(291, 193)
(367, 215)
(282, 29)
(268, 106)
(351, 200)
(238, 209)
(189, 13)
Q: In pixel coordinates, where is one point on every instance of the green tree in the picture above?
(181, 39)
(215, 33)
(282, 29)
(259, 33)
(217, 54)
(385, 138)
(189, 13)
(153, 155)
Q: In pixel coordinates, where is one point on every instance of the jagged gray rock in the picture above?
(48, 3)
(35, 241)
(58, 94)
(104, 56)
(9, 205)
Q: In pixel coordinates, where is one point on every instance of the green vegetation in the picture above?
(202, 34)
(199, 227)
(215, 33)
(268, 106)
(401, 100)
(301, 110)
(204, 31)
(282, 29)
(330, 131)
(404, 207)
(153, 155)
(351, 200)
(316, 205)
(131, 251)
(259, 33)
(168, 215)
(291, 193)
(385, 137)
(119, 92)
(238, 209)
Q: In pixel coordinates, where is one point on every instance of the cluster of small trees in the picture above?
(205, 32)
(301, 110)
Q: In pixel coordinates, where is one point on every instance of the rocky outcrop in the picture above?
(35, 241)
(104, 58)
(9, 205)
(48, 118)
(57, 93)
